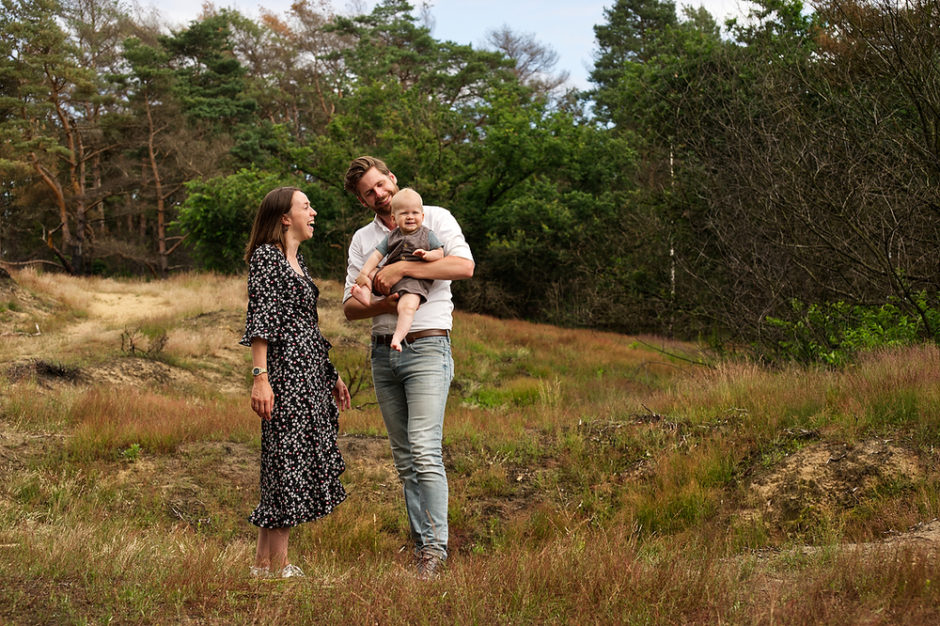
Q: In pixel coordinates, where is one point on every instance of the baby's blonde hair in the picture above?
(405, 197)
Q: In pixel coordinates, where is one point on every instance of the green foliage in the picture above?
(211, 79)
(151, 75)
(719, 175)
(630, 32)
(270, 147)
(834, 333)
(217, 216)
(132, 452)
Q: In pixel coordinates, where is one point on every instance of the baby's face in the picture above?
(409, 217)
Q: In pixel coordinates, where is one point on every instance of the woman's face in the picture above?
(300, 219)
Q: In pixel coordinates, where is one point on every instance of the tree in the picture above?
(647, 79)
(98, 27)
(218, 215)
(534, 62)
(49, 94)
(150, 85)
(628, 36)
(293, 67)
(408, 97)
(811, 142)
(210, 81)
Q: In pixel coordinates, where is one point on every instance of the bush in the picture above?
(832, 333)
(218, 213)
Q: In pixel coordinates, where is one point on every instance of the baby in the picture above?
(411, 241)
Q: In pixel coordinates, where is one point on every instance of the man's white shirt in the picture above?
(437, 311)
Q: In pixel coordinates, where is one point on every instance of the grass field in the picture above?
(594, 478)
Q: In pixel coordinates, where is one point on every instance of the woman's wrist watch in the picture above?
(258, 371)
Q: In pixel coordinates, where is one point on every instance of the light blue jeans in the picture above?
(411, 387)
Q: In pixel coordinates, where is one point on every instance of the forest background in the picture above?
(768, 184)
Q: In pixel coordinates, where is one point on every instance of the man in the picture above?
(411, 386)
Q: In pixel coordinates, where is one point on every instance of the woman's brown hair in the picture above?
(267, 227)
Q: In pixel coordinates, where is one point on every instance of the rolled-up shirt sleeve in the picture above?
(357, 258)
(447, 229)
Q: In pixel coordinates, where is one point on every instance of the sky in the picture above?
(565, 25)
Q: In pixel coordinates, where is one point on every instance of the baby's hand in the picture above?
(364, 281)
(429, 255)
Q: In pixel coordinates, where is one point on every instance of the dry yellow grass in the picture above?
(108, 420)
(593, 477)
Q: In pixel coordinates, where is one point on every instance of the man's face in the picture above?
(376, 189)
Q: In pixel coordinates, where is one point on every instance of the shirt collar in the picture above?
(381, 225)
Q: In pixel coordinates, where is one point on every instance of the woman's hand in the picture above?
(262, 397)
(341, 394)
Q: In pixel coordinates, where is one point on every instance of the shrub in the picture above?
(833, 333)
(217, 216)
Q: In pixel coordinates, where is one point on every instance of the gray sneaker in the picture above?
(430, 565)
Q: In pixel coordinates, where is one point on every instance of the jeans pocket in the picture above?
(436, 350)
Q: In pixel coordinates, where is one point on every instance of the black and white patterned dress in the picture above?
(300, 461)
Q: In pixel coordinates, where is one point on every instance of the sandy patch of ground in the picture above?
(827, 476)
(124, 308)
(111, 324)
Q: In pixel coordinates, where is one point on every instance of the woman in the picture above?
(296, 390)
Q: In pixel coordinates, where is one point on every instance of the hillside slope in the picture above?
(623, 476)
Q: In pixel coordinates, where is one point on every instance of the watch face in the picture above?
(255, 371)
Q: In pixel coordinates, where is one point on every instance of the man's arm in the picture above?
(364, 279)
(353, 309)
(448, 268)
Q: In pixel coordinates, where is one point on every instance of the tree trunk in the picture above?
(57, 192)
(158, 190)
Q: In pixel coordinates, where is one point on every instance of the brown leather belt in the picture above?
(386, 340)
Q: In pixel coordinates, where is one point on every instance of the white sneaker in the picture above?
(259, 572)
(292, 571)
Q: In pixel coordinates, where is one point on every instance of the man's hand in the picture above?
(388, 276)
(354, 309)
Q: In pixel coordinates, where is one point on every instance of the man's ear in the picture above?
(392, 178)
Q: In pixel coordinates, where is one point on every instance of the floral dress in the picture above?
(300, 461)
